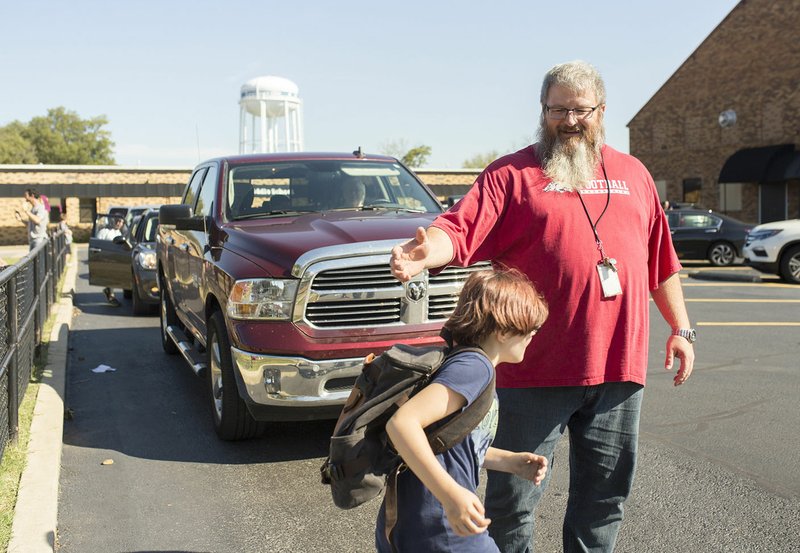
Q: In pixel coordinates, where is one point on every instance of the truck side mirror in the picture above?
(180, 215)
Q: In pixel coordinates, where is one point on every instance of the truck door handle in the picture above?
(95, 250)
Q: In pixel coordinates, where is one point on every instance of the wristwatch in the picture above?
(689, 333)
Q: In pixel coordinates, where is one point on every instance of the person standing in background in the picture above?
(34, 216)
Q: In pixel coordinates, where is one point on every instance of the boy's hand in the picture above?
(528, 466)
(465, 512)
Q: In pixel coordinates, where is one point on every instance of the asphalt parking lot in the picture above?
(717, 468)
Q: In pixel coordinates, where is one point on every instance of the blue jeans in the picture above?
(603, 424)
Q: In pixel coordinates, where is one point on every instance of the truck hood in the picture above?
(275, 243)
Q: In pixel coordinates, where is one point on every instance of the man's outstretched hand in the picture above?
(409, 259)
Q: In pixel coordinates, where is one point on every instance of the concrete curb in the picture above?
(36, 511)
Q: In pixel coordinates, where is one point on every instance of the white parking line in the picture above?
(727, 284)
(743, 323)
(717, 300)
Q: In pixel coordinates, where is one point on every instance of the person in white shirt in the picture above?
(34, 215)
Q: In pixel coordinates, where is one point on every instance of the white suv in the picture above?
(775, 248)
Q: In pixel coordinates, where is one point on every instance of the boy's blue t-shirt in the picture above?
(422, 524)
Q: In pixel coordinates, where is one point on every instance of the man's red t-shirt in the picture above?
(516, 216)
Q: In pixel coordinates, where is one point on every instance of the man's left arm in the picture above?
(668, 297)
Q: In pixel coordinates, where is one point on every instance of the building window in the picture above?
(87, 210)
(661, 188)
(691, 190)
(730, 196)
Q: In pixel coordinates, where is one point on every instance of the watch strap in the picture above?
(688, 333)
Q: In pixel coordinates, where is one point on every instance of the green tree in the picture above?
(479, 161)
(14, 147)
(417, 156)
(413, 157)
(62, 137)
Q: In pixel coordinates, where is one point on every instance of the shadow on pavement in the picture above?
(153, 406)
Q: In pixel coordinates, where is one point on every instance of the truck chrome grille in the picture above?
(354, 313)
(370, 296)
(355, 278)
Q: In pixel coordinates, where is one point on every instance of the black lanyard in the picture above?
(589, 217)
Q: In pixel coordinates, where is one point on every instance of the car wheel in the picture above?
(721, 254)
(168, 318)
(790, 265)
(232, 420)
(127, 294)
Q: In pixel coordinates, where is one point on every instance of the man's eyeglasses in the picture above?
(562, 113)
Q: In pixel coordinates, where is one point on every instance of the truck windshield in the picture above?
(285, 188)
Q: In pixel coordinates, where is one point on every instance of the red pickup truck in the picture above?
(275, 280)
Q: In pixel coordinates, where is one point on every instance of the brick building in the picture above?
(83, 191)
(724, 130)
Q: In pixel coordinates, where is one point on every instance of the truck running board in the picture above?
(191, 355)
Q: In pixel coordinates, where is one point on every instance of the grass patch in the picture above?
(15, 454)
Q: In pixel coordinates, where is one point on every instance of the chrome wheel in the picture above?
(721, 254)
(215, 374)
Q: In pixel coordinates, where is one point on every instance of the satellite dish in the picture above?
(727, 118)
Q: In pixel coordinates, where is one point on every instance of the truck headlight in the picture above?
(262, 298)
(146, 260)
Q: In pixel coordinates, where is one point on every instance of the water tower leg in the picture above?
(264, 127)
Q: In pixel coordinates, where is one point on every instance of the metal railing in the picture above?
(27, 292)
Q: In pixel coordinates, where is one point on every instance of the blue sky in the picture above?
(459, 77)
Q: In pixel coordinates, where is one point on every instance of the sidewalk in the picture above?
(35, 514)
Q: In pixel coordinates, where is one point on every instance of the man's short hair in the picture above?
(32, 192)
(578, 76)
(502, 300)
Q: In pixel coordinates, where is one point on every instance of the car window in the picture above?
(698, 220)
(205, 199)
(276, 189)
(150, 229)
(190, 196)
(674, 219)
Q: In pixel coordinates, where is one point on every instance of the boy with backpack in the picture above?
(434, 506)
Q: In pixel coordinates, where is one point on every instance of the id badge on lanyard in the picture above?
(609, 277)
(607, 270)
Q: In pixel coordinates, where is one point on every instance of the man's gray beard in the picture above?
(573, 163)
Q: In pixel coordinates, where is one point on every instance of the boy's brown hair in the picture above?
(502, 300)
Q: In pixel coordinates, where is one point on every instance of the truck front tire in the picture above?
(232, 420)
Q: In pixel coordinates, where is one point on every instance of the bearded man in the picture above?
(584, 222)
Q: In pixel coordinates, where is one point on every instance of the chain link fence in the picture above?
(27, 292)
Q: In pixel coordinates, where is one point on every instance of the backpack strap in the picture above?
(457, 428)
(390, 505)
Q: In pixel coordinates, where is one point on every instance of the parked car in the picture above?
(704, 234)
(128, 261)
(275, 280)
(775, 248)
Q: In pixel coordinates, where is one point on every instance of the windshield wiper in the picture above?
(270, 213)
(390, 206)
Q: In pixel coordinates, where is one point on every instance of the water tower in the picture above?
(270, 118)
